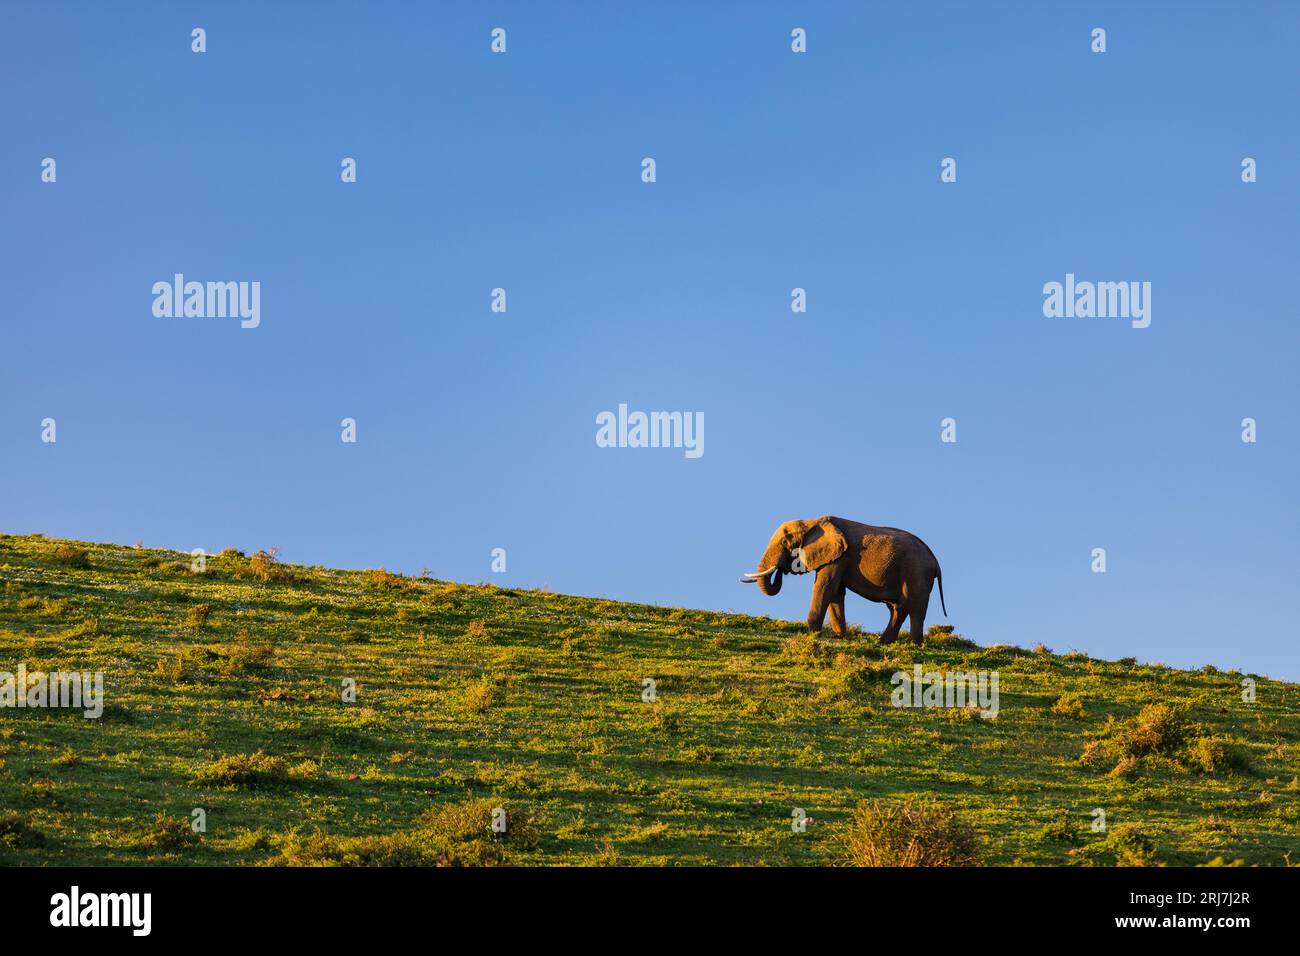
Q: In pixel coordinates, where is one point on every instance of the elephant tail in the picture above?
(938, 573)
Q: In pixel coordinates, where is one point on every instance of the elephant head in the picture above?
(796, 548)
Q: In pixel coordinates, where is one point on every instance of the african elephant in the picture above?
(881, 564)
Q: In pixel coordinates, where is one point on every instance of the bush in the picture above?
(910, 833)
(478, 697)
(460, 834)
(197, 616)
(263, 565)
(1212, 755)
(1158, 729)
(244, 770)
(384, 580)
(71, 555)
(171, 669)
(945, 635)
(1060, 830)
(1068, 705)
(167, 833)
(244, 653)
(1124, 845)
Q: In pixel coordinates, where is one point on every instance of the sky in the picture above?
(774, 170)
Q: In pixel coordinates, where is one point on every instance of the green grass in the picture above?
(224, 692)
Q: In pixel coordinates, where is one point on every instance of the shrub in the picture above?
(55, 608)
(910, 833)
(1157, 729)
(945, 635)
(1068, 705)
(197, 616)
(306, 770)
(460, 834)
(263, 565)
(478, 697)
(1060, 830)
(385, 580)
(71, 555)
(1124, 845)
(477, 631)
(1212, 755)
(171, 668)
(246, 653)
(243, 770)
(166, 833)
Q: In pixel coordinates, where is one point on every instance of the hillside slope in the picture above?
(473, 697)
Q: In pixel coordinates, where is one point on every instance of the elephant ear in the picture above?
(822, 544)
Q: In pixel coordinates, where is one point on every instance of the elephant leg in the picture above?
(896, 616)
(836, 608)
(825, 589)
(916, 607)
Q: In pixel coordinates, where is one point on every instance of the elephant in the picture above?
(881, 564)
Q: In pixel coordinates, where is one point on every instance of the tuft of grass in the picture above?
(320, 849)
(478, 697)
(1068, 705)
(945, 635)
(243, 770)
(15, 831)
(455, 834)
(165, 833)
(246, 653)
(805, 649)
(1062, 829)
(908, 833)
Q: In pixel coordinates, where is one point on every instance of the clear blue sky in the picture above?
(775, 170)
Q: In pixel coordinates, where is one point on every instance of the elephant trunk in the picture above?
(770, 567)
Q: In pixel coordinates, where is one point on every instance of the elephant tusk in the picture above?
(751, 576)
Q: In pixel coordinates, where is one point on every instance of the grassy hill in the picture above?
(223, 692)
